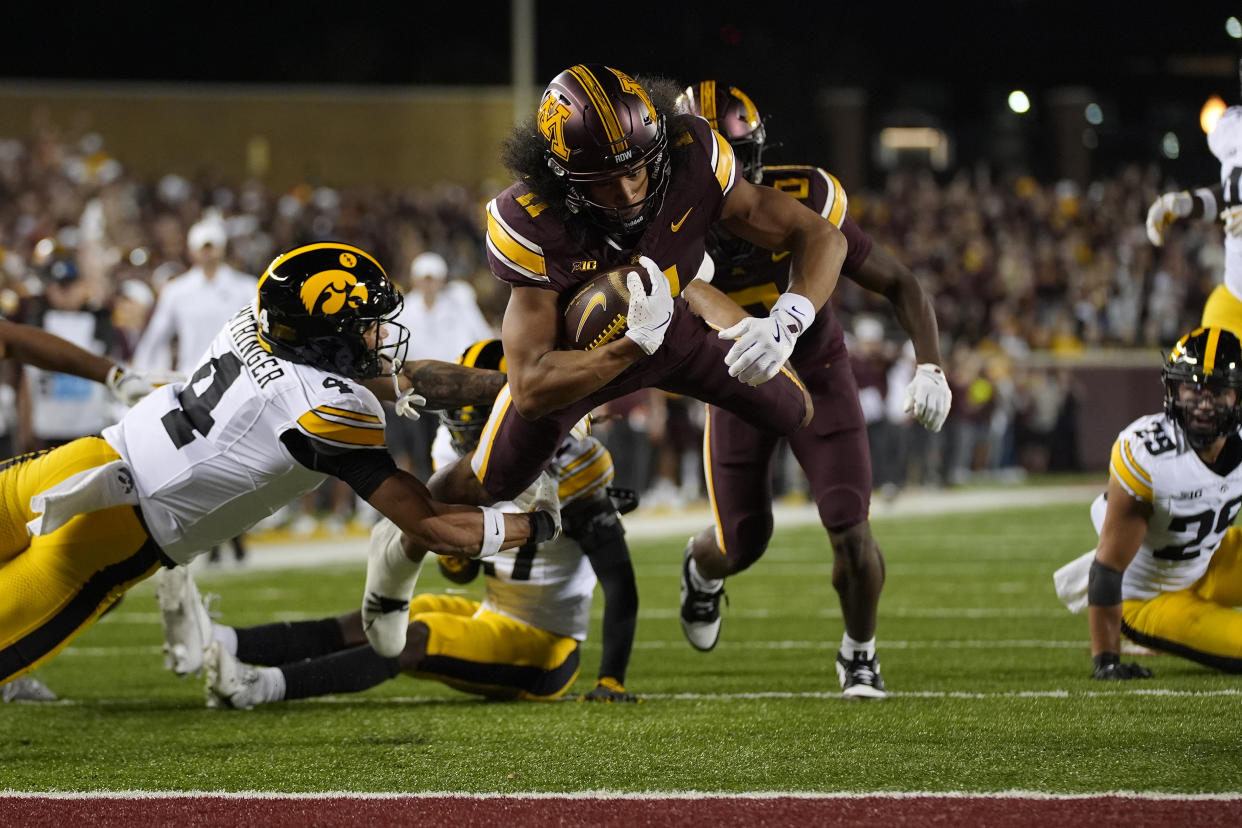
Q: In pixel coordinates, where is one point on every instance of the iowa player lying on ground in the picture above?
(274, 406)
(521, 642)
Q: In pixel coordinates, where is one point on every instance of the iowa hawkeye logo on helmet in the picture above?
(323, 305)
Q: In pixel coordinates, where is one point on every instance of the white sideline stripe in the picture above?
(388, 701)
(950, 644)
(1159, 796)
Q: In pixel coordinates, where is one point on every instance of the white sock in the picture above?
(389, 572)
(851, 648)
(227, 636)
(702, 583)
(273, 682)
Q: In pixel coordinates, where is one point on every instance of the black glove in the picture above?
(609, 690)
(1108, 666)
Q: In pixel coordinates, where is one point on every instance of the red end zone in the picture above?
(624, 811)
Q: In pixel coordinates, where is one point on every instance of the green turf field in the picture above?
(989, 675)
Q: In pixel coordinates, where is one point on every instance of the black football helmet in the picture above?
(733, 114)
(598, 123)
(317, 304)
(1210, 359)
(465, 424)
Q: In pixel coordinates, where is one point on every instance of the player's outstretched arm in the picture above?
(441, 384)
(928, 397)
(1125, 525)
(37, 347)
(453, 529)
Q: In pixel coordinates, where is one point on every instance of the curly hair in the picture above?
(525, 154)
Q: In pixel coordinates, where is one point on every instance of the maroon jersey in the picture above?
(754, 277)
(528, 246)
(833, 449)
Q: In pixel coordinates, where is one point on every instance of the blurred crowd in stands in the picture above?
(1018, 268)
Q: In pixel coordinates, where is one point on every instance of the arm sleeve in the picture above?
(363, 469)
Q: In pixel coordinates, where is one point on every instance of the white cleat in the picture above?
(26, 688)
(386, 603)
(230, 683)
(187, 626)
(860, 677)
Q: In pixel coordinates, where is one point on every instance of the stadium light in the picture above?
(1210, 112)
(1170, 146)
(1094, 114)
(1019, 102)
(1233, 27)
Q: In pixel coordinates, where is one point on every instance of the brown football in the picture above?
(595, 314)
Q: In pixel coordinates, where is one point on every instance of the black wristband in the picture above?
(542, 526)
(1102, 660)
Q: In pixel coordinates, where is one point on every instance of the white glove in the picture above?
(649, 314)
(1232, 217)
(928, 396)
(128, 387)
(1164, 211)
(408, 404)
(764, 343)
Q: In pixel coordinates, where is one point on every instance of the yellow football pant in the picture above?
(483, 652)
(54, 586)
(1199, 622)
(1223, 310)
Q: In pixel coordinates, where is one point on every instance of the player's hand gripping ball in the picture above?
(596, 314)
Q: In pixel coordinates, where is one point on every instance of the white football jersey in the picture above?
(207, 457)
(548, 585)
(1192, 506)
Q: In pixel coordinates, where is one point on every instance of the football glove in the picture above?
(409, 403)
(1232, 217)
(1108, 667)
(649, 314)
(928, 397)
(128, 387)
(1164, 211)
(609, 690)
(764, 343)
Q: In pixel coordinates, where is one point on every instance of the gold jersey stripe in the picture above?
(765, 295)
(588, 479)
(520, 254)
(482, 454)
(356, 416)
(1129, 480)
(1133, 464)
(722, 163)
(339, 433)
(711, 486)
(838, 203)
(603, 107)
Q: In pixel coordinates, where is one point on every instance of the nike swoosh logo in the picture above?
(776, 257)
(675, 226)
(378, 604)
(599, 300)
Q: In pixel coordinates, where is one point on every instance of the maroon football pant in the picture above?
(832, 451)
(690, 362)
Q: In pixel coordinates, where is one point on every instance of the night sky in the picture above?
(1150, 60)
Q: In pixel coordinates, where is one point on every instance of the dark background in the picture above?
(1149, 65)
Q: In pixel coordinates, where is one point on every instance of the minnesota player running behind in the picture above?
(521, 642)
(833, 450)
(1168, 569)
(273, 406)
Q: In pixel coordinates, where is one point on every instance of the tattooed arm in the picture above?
(444, 384)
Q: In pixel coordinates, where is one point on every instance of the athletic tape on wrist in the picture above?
(1103, 586)
(493, 531)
